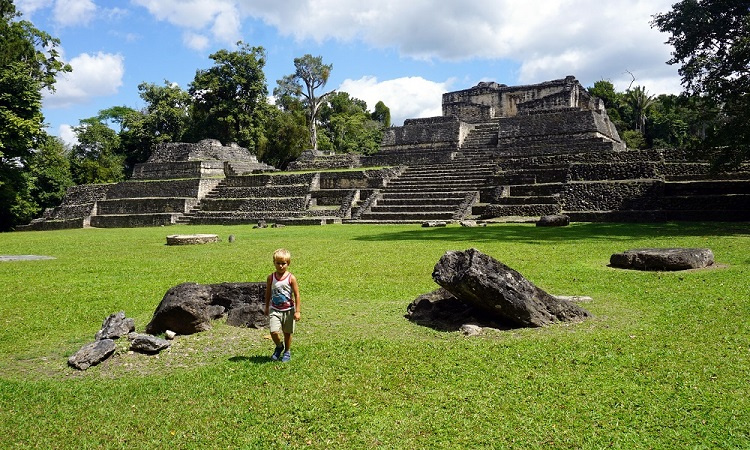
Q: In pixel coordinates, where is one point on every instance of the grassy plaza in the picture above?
(663, 363)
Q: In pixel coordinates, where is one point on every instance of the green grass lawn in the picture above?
(663, 363)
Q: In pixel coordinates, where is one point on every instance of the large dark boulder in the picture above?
(190, 307)
(441, 310)
(501, 292)
(667, 259)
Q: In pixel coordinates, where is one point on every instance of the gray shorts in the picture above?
(281, 321)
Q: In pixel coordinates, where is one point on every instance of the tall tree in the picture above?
(711, 40)
(229, 98)
(640, 102)
(29, 62)
(382, 114)
(50, 169)
(310, 71)
(96, 158)
(347, 126)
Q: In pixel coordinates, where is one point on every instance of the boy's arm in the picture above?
(297, 299)
(268, 294)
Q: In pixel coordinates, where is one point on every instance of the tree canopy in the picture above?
(711, 40)
(310, 71)
(29, 62)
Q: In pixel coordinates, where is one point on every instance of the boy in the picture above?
(282, 304)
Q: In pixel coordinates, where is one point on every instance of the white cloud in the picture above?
(195, 41)
(74, 12)
(549, 39)
(219, 17)
(28, 7)
(96, 75)
(407, 98)
(67, 135)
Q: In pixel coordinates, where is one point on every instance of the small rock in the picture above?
(433, 224)
(554, 220)
(169, 334)
(146, 343)
(469, 329)
(115, 326)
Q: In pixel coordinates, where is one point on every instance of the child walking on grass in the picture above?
(282, 304)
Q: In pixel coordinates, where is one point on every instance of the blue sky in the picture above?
(405, 53)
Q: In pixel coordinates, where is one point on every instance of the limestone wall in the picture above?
(205, 150)
(488, 101)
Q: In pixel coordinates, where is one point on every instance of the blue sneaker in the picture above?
(277, 353)
(287, 357)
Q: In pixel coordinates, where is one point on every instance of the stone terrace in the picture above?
(498, 153)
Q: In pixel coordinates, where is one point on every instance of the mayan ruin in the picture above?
(500, 153)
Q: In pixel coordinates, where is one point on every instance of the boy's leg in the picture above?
(275, 328)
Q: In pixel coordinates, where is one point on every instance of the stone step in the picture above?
(707, 187)
(134, 220)
(258, 191)
(495, 210)
(535, 190)
(434, 184)
(145, 205)
(252, 204)
(516, 200)
(413, 208)
(418, 201)
(248, 220)
(423, 194)
(722, 202)
(532, 176)
(397, 216)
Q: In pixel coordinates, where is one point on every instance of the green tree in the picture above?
(229, 98)
(29, 62)
(640, 103)
(286, 134)
(613, 102)
(50, 169)
(165, 118)
(711, 40)
(310, 71)
(96, 157)
(382, 114)
(347, 126)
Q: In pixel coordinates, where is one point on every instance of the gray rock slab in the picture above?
(191, 239)
(663, 259)
(147, 343)
(24, 257)
(92, 354)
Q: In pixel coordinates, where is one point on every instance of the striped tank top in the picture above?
(281, 293)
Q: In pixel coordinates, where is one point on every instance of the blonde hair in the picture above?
(282, 254)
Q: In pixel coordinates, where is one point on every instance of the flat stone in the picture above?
(23, 257)
(434, 224)
(191, 239)
(554, 220)
(666, 259)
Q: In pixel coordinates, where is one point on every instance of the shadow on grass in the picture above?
(529, 233)
(264, 359)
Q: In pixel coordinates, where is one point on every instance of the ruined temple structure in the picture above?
(505, 153)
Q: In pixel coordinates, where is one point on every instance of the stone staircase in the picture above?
(429, 192)
(279, 198)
